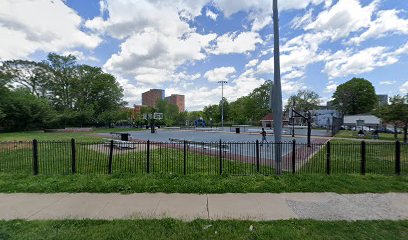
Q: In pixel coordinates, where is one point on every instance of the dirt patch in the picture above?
(132, 148)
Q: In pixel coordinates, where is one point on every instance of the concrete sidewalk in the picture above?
(255, 206)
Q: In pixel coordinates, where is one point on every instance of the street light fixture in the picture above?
(222, 102)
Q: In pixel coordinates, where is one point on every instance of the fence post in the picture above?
(220, 146)
(294, 156)
(73, 155)
(185, 157)
(363, 158)
(148, 157)
(35, 157)
(398, 158)
(257, 155)
(328, 158)
(110, 157)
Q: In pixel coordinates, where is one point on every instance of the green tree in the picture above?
(62, 80)
(303, 101)
(25, 111)
(396, 113)
(28, 74)
(356, 96)
(170, 112)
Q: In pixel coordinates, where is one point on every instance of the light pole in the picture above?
(277, 91)
(222, 102)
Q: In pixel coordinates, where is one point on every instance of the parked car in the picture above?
(389, 130)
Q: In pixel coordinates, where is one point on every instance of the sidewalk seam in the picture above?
(64, 196)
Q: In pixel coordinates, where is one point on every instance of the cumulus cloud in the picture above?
(347, 62)
(236, 43)
(331, 87)
(387, 22)
(219, 74)
(211, 14)
(41, 25)
(404, 88)
(343, 18)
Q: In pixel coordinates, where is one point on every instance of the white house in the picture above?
(370, 121)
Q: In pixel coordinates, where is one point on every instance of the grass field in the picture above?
(346, 158)
(40, 135)
(201, 229)
(354, 134)
(171, 183)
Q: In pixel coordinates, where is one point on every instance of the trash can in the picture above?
(124, 136)
(237, 130)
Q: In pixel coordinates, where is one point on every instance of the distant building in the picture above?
(324, 117)
(330, 104)
(178, 100)
(137, 109)
(382, 99)
(151, 97)
(361, 121)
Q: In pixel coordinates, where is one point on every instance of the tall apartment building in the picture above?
(151, 97)
(178, 100)
(382, 99)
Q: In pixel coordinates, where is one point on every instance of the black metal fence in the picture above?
(184, 157)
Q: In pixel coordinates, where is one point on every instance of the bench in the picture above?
(119, 143)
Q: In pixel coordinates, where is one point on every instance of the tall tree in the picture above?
(62, 81)
(396, 113)
(303, 101)
(356, 96)
(28, 74)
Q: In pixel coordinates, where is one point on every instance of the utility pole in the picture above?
(222, 102)
(277, 92)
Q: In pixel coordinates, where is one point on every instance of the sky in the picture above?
(187, 46)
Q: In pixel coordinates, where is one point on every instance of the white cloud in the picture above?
(387, 82)
(303, 20)
(252, 63)
(211, 14)
(386, 22)
(264, 7)
(331, 87)
(237, 43)
(41, 25)
(343, 18)
(345, 63)
(404, 88)
(261, 22)
(219, 74)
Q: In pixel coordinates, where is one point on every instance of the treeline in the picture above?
(245, 110)
(57, 92)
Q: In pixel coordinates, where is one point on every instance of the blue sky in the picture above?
(186, 46)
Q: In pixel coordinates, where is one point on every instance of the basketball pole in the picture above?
(276, 92)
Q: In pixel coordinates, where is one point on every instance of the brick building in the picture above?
(151, 97)
(178, 100)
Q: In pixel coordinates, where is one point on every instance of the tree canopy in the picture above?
(303, 101)
(356, 96)
(63, 92)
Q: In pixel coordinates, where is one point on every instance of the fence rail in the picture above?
(215, 158)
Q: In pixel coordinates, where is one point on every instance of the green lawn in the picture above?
(346, 158)
(40, 135)
(201, 229)
(202, 184)
(354, 134)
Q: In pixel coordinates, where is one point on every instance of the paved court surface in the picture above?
(201, 136)
(255, 206)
